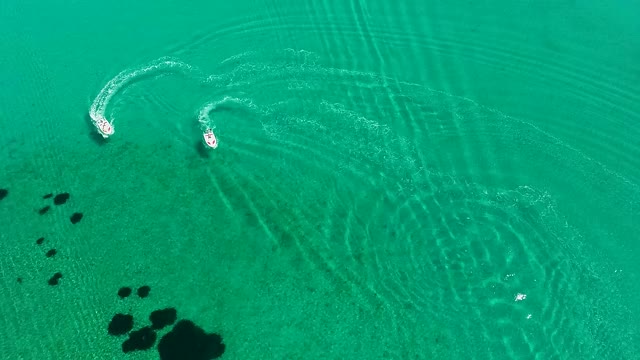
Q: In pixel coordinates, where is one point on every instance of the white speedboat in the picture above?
(210, 139)
(104, 128)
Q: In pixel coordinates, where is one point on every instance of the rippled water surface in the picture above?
(394, 180)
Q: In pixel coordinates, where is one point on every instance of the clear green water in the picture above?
(390, 177)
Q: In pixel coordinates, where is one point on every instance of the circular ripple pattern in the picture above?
(463, 48)
(429, 226)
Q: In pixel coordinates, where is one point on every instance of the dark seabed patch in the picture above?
(142, 339)
(75, 218)
(161, 318)
(3, 193)
(61, 198)
(120, 324)
(143, 291)
(54, 279)
(182, 340)
(124, 292)
(186, 341)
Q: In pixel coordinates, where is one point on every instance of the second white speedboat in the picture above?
(210, 139)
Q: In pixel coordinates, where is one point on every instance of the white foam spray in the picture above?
(100, 103)
(204, 114)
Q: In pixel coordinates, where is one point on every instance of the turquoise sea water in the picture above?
(394, 180)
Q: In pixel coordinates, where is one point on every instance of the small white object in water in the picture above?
(508, 276)
(529, 316)
(521, 297)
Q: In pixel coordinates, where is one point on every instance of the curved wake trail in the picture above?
(204, 118)
(206, 122)
(120, 81)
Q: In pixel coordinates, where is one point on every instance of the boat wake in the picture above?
(97, 112)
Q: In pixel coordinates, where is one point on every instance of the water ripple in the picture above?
(390, 217)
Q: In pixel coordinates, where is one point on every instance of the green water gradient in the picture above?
(439, 180)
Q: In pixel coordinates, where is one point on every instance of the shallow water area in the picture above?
(392, 181)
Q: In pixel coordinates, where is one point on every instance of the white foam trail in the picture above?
(204, 118)
(99, 105)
